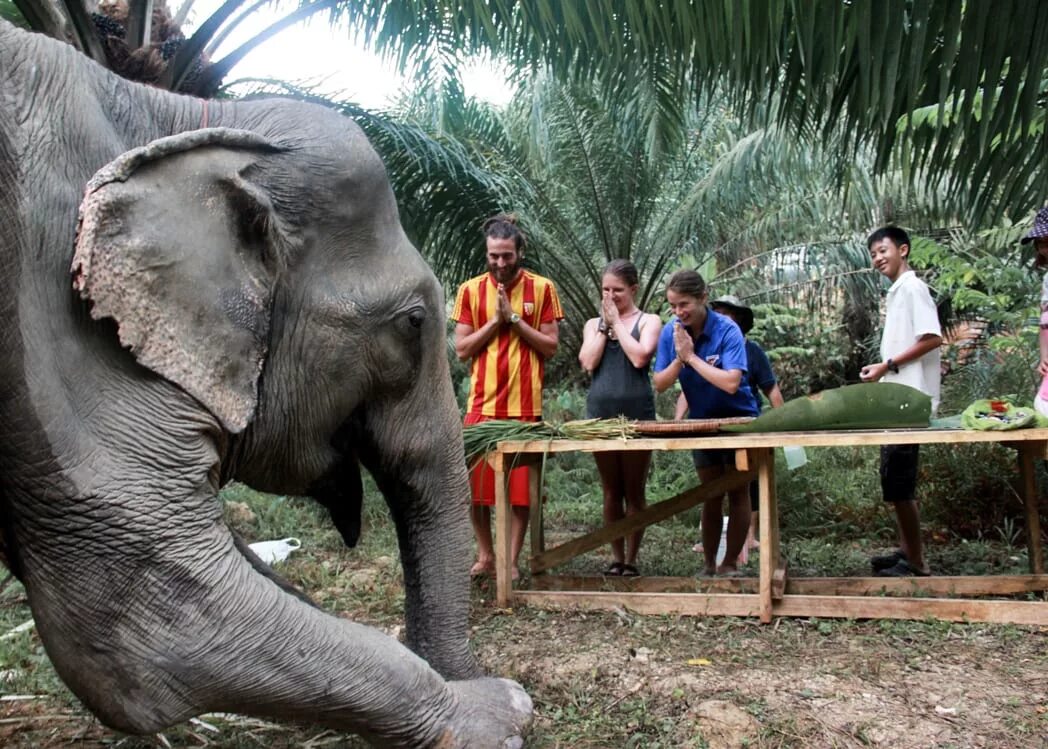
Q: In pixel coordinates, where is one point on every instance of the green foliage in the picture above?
(994, 371)
(9, 12)
(807, 354)
(822, 67)
(981, 275)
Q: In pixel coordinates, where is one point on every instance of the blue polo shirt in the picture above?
(721, 344)
(760, 375)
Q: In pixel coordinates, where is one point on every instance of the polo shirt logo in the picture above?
(713, 359)
(529, 307)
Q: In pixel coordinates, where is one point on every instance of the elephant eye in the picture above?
(416, 316)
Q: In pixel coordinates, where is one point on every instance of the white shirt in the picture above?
(911, 314)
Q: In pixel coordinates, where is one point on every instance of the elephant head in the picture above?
(245, 305)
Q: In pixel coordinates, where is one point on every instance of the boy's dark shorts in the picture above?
(899, 472)
(703, 458)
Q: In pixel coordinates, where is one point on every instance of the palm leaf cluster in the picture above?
(759, 212)
(858, 68)
(142, 40)
(946, 90)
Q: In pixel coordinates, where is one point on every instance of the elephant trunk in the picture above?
(420, 468)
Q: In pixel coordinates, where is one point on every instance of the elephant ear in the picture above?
(181, 248)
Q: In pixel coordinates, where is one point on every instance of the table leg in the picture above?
(538, 539)
(1029, 493)
(503, 535)
(769, 519)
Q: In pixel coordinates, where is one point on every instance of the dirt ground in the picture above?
(618, 680)
(615, 679)
(734, 683)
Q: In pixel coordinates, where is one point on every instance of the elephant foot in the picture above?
(491, 714)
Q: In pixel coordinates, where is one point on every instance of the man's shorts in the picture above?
(899, 472)
(482, 477)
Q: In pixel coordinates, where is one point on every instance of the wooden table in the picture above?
(772, 593)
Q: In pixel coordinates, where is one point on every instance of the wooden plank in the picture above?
(645, 584)
(778, 581)
(946, 586)
(946, 609)
(1029, 492)
(840, 607)
(503, 552)
(538, 538)
(742, 460)
(767, 512)
(724, 440)
(649, 515)
(692, 604)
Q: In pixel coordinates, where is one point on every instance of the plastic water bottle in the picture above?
(795, 456)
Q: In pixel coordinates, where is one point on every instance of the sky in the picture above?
(312, 52)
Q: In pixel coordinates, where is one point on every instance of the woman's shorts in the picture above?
(482, 476)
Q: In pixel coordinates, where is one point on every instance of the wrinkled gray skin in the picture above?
(242, 304)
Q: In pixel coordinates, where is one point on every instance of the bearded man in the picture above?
(506, 326)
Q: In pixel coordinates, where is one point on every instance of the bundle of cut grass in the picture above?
(484, 437)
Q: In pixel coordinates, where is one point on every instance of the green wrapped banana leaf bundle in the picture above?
(997, 415)
(869, 405)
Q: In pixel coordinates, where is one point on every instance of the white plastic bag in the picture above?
(272, 552)
(722, 547)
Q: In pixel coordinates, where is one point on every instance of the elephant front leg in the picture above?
(224, 638)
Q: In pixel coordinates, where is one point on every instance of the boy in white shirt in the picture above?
(910, 356)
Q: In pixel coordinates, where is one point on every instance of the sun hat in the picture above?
(743, 314)
(1039, 228)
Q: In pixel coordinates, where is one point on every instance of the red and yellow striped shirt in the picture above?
(506, 376)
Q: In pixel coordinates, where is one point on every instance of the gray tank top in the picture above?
(618, 387)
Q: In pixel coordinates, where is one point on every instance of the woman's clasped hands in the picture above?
(683, 343)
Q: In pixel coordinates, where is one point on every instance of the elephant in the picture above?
(202, 291)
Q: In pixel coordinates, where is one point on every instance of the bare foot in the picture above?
(482, 567)
(515, 574)
(697, 548)
(753, 544)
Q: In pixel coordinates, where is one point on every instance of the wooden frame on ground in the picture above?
(773, 593)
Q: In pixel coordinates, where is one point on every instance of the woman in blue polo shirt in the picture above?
(707, 352)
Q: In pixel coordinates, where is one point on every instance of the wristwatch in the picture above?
(892, 366)
(514, 319)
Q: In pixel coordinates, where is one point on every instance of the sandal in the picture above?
(902, 568)
(887, 561)
(628, 570)
(615, 569)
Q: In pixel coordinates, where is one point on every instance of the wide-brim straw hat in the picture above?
(743, 314)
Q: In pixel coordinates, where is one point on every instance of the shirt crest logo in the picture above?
(529, 307)
(713, 360)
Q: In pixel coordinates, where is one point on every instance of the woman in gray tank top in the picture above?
(617, 348)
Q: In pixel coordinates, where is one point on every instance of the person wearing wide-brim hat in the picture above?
(761, 378)
(1038, 234)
